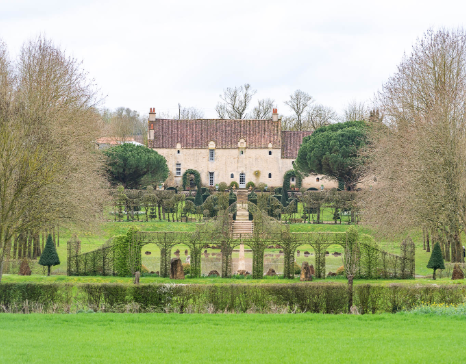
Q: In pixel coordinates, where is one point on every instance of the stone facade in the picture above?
(229, 150)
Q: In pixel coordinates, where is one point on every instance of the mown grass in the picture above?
(246, 338)
(13, 278)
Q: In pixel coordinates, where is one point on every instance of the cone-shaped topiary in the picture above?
(49, 256)
(198, 199)
(436, 259)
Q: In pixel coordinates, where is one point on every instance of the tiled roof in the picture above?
(291, 141)
(224, 133)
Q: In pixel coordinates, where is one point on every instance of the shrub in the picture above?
(297, 268)
(235, 184)
(144, 269)
(250, 184)
(341, 271)
(261, 186)
(186, 268)
(222, 186)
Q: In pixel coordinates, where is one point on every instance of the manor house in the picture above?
(229, 150)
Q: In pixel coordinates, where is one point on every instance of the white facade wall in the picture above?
(229, 162)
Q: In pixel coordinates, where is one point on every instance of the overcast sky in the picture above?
(146, 54)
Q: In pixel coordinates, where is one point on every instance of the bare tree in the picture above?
(356, 111)
(319, 115)
(189, 113)
(49, 170)
(419, 151)
(235, 102)
(263, 110)
(299, 102)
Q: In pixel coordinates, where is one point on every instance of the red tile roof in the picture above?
(224, 133)
(291, 141)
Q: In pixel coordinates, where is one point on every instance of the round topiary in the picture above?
(222, 186)
(250, 184)
(234, 184)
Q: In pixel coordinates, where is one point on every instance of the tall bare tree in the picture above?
(189, 113)
(419, 155)
(49, 170)
(356, 111)
(235, 103)
(263, 109)
(299, 102)
(319, 115)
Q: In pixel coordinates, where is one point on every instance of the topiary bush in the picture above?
(186, 268)
(222, 186)
(234, 184)
(261, 186)
(250, 184)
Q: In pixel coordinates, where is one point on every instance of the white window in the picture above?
(211, 155)
(178, 169)
(232, 175)
(292, 179)
(211, 178)
(270, 175)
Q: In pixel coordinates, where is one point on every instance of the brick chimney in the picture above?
(150, 134)
(275, 115)
(152, 114)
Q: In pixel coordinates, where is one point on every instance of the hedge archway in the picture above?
(197, 178)
(288, 175)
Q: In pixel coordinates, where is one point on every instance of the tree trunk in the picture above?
(423, 238)
(48, 270)
(1, 270)
(350, 292)
(433, 276)
(427, 242)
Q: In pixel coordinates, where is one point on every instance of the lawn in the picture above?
(242, 338)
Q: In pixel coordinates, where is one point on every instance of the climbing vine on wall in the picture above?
(197, 178)
(288, 175)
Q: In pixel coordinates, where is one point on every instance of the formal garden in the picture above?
(104, 258)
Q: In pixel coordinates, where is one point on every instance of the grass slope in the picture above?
(160, 338)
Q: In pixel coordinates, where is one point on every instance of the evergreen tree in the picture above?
(198, 199)
(436, 259)
(333, 150)
(49, 256)
(284, 199)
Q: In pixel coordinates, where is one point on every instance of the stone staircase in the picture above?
(242, 226)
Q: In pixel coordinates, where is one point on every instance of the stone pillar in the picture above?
(241, 262)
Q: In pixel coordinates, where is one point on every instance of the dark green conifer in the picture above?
(49, 256)
(198, 199)
(436, 259)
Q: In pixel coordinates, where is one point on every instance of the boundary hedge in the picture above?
(234, 298)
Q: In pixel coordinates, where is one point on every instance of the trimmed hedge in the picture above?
(238, 298)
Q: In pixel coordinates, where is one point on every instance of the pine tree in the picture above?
(49, 256)
(198, 198)
(436, 259)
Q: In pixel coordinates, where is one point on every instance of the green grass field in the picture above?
(242, 338)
